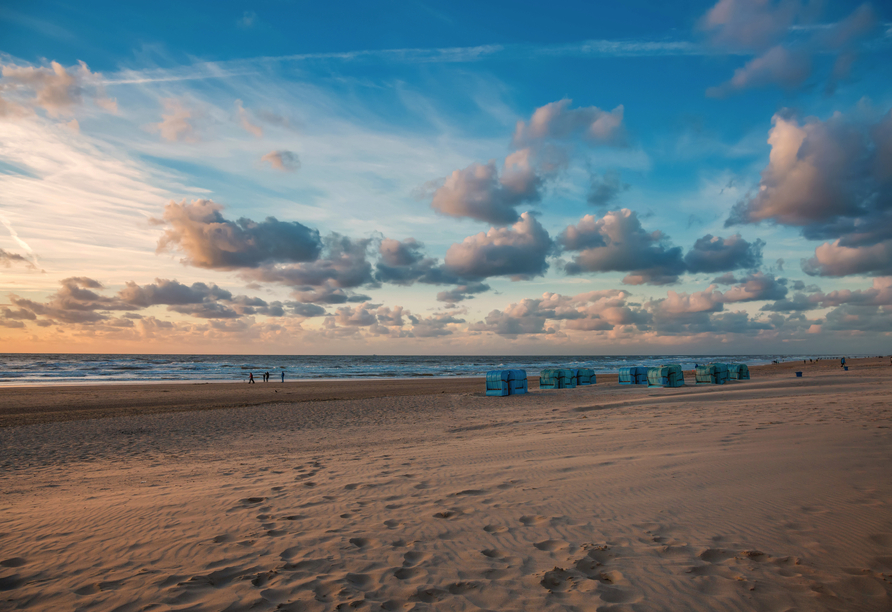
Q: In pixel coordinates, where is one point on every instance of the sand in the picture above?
(771, 494)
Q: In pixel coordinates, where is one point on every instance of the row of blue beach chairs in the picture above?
(560, 378)
(514, 382)
(720, 373)
(672, 376)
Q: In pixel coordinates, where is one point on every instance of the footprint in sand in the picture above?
(407, 573)
(14, 562)
(449, 514)
(533, 520)
(469, 492)
(460, 588)
(551, 545)
(429, 595)
(414, 557)
(492, 553)
(392, 523)
(363, 542)
(250, 501)
(558, 580)
(495, 529)
(716, 555)
(360, 582)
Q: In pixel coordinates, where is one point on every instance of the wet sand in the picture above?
(771, 494)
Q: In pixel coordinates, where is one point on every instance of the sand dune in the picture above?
(772, 494)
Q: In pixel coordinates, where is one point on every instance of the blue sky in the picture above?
(504, 178)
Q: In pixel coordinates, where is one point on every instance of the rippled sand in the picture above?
(772, 494)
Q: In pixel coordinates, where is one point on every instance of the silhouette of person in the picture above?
(283, 375)
(251, 378)
(266, 377)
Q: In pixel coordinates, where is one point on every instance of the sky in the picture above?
(446, 178)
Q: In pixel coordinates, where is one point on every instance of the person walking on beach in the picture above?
(842, 362)
(283, 375)
(266, 377)
(251, 378)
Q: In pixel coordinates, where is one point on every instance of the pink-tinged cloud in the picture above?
(245, 121)
(209, 240)
(618, 243)
(557, 121)
(778, 66)
(594, 311)
(831, 178)
(479, 192)
(284, 161)
(518, 251)
(835, 259)
(177, 122)
(54, 88)
(764, 28)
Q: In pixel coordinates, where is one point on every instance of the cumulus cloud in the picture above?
(245, 121)
(462, 292)
(54, 88)
(716, 254)
(394, 321)
(606, 188)
(170, 292)
(837, 259)
(286, 161)
(435, 325)
(747, 24)
(518, 251)
(343, 264)
(756, 287)
(404, 263)
(598, 311)
(798, 303)
(704, 311)
(176, 123)
(483, 192)
(783, 55)
(778, 66)
(618, 243)
(831, 179)
(479, 192)
(208, 240)
(74, 302)
(79, 303)
(557, 121)
(879, 294)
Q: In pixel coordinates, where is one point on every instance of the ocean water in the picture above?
(28, 369)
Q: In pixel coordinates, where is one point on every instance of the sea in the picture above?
(18, 369)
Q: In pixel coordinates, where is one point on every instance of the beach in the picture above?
(768, 494)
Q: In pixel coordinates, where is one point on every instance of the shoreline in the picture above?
(31, 405)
